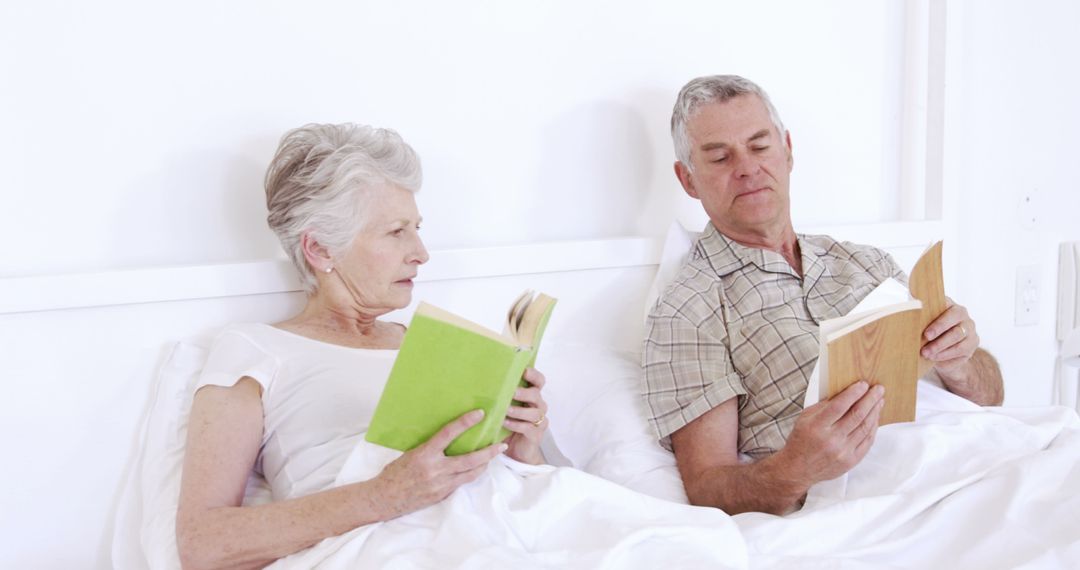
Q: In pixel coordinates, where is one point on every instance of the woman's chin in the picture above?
(402, 299)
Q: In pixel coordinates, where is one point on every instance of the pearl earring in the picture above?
(329, 269)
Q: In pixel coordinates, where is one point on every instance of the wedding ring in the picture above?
(963, 331)
(540, 421)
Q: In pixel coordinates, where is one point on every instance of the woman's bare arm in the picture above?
(224, 435)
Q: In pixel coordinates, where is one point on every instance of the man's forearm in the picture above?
(765, 486)
(979, 380)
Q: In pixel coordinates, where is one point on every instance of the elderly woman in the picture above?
(290, 400)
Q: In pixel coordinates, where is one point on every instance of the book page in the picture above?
(434, 312)
(888, 292)
(516, 313)
(532, 319)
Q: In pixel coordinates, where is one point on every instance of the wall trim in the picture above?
(176, 283)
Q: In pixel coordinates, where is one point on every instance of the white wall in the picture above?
(137, 133)
(1012, 129)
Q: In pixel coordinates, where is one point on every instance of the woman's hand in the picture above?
(425, 475)
(528, 421)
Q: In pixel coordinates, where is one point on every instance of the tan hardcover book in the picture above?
(882, 345)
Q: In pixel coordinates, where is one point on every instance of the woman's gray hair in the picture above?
(321, 179)
(710, 89)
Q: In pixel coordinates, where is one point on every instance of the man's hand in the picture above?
(951, 339)
(828, 439)
(953, 346)
(831, 437)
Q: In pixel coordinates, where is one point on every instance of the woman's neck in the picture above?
(343, 324)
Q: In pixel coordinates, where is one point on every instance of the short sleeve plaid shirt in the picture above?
(739, 322)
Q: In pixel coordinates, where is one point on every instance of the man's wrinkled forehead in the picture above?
(737, 119)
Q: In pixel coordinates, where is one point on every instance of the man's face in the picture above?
(741, 167)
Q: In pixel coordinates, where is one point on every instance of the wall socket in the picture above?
(1027, 295)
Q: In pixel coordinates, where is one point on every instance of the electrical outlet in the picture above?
(1027, 295)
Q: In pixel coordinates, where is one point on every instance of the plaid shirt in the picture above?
(738, 321)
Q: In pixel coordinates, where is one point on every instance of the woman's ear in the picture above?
(790, 156)
(316, 254)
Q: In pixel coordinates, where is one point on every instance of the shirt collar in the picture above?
(726, 255)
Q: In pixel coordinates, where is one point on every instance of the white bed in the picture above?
(104, 363)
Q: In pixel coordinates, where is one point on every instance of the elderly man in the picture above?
(731, 343)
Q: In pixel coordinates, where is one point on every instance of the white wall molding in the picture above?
(923, 118)
(155, 284)
(145, 285)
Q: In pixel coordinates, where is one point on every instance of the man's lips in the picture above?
(752, 192)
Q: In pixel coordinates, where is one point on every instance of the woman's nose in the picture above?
(421, 254)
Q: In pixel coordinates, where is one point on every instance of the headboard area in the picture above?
(80, 354)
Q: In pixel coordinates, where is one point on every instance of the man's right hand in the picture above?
(831, 437)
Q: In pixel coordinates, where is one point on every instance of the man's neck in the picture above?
(781, 240)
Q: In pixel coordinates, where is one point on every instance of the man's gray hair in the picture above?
(712, 89)
(321, 179)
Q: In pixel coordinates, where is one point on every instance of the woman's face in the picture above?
(382, 260)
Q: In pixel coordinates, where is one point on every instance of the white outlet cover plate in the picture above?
(1027, 295)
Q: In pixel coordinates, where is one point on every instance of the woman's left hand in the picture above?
(527, 419)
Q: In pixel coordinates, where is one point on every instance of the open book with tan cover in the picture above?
(882, 345)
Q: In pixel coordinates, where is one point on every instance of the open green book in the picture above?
(448, 366)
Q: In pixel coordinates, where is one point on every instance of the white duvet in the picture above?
(524, 516)
(961, 488)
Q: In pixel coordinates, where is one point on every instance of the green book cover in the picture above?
(448, 366)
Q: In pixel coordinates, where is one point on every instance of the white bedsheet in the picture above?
(963, 488)
(524, 516)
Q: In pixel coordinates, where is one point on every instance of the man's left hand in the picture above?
(964, 368)
(952, 340)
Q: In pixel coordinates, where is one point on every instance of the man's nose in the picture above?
(746, 165)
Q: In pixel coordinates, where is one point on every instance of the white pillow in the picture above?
(598, 421)
(677, 245)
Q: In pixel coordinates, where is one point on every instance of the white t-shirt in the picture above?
(318, 399)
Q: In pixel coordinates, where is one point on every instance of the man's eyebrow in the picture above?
(719, 145)
(758, 135)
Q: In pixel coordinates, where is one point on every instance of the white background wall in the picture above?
(136, 134)
(1012, 136)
